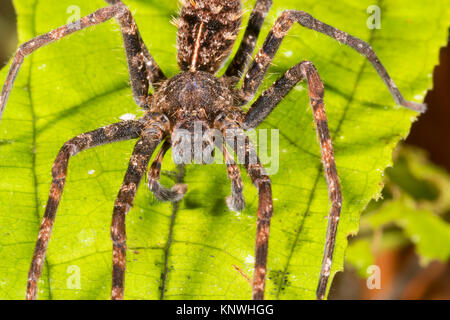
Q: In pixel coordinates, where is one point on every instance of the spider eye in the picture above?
(214, 26)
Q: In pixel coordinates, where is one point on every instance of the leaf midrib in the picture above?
(34, 142)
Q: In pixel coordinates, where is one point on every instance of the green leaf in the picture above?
(416, 177)
(359, 255)
(429, 233)
(81, 83)
(415, 201)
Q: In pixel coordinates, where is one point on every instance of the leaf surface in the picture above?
(195, 252)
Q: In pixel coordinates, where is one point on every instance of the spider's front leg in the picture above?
(241, 144)
(263, 59)
(142, 67)
(116, 132)
(150, 138)
(236, 201)
(261, 109)
(247, 46)
(174, 194)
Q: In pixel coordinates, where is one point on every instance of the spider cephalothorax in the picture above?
(194, 102)
(194, 96)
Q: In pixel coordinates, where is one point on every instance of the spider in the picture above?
(207, 30)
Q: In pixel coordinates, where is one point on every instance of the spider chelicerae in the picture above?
(207, 30)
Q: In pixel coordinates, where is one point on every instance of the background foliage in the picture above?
(416, 200)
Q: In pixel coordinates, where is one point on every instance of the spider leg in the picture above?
(262, 182)
(98, 17)
(174, 194)
(112, 133)
(236, 201)
(247, 46)
(143, 150)
(261, 63)
(142, 68)
(261, 109)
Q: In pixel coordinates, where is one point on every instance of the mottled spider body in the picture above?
(207, 30)
(193, 96)
(193, 101)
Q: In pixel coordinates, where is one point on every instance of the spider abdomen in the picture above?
(206, 33)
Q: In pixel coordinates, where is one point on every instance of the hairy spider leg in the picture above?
(119, 11)
(174, 194)
(115, 132)
(244, 54)
(262, 182)
(262, 108)
(142, 67)
(264, 57)
(143, 150)
(236, 201)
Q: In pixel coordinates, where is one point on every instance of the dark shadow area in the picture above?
(432, 131)
(8, 34)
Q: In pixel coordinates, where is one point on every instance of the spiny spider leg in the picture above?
(236, 201)
(261, 109)
(265, 206)
(174, 194)
(247, 46)
(115, 132)
(102, 15)
(142, 67)
(143, 150)
(258, 68)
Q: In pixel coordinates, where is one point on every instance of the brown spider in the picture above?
(207, 30)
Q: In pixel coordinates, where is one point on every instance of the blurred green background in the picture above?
(407, 232)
